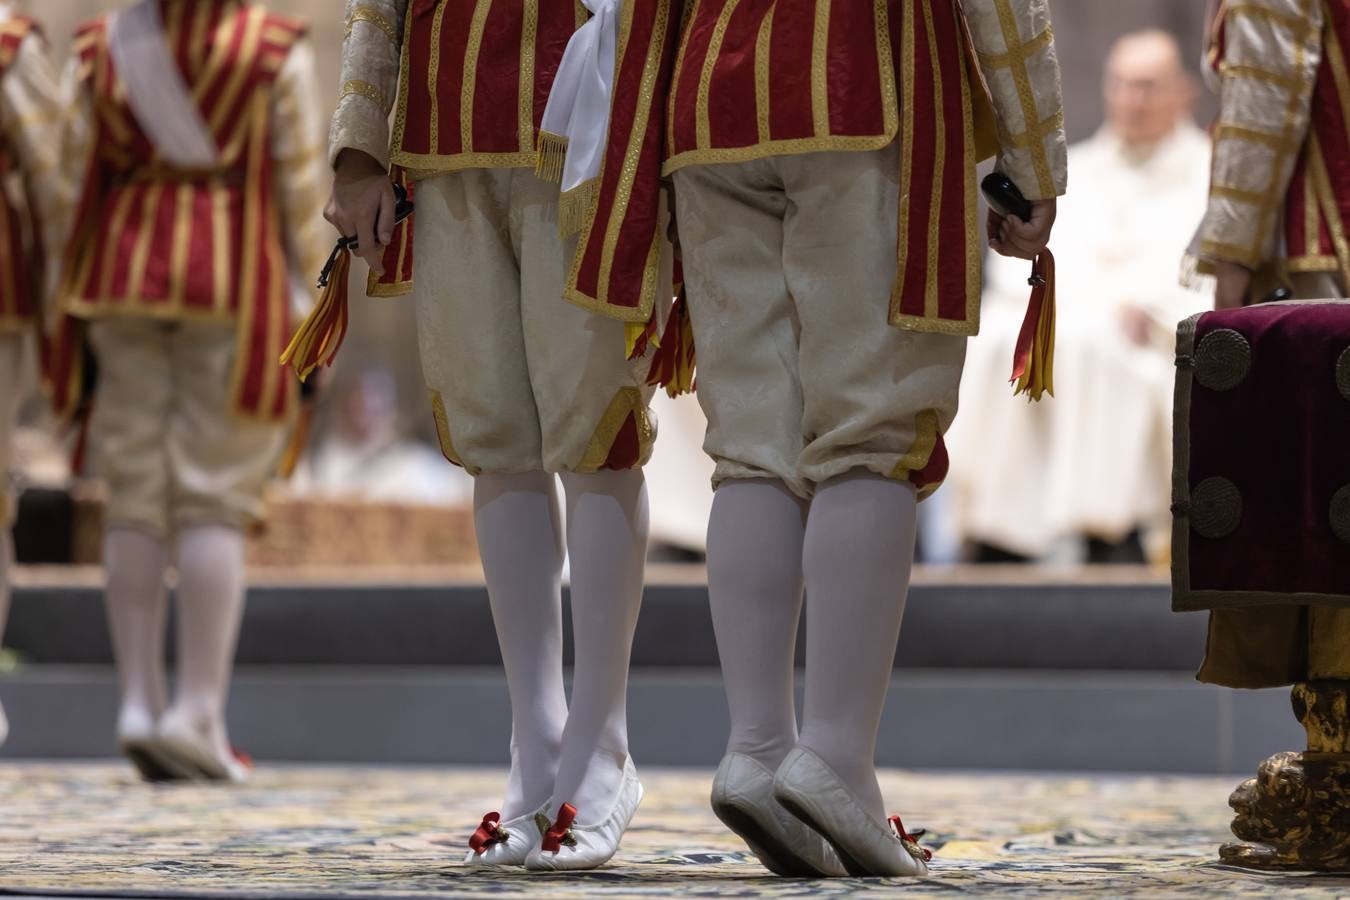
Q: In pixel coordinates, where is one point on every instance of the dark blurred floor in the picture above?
(1014, 668)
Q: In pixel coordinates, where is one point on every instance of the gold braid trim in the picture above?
(364, 89)
(375, 18)
(627, 401)
(443, 432)
(552, 157)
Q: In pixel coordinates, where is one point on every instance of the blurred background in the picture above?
(1040, 613)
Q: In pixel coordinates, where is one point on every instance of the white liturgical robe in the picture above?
(1095, 459)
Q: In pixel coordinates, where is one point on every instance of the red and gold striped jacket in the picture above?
(149, 240)
(1317, 211)
(476, 78)
(20, 248)
(734, 80)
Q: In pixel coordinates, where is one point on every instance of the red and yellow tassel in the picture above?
(298, 443)
(1033, 371)
(320, 336)
(673, 365)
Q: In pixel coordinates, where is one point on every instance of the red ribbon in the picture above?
(900, 832)
(488, 833)
(553, 838)
(244, 759)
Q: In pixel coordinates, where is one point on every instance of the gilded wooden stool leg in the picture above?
(1296, 812)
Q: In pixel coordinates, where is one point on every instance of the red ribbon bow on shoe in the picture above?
(560, 832)
(488, 833)
(910, 841)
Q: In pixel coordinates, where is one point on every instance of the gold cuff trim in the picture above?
(373, 17)
(364, 89)
(443, 432)
(925, 442)
(1223, 252)
(628, 401)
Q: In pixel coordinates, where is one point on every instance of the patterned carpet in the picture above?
(91, 830)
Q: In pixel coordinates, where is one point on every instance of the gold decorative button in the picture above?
(1216, 508)
(1222, 360)
(1340, 514)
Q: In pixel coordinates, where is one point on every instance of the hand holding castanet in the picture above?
(362, 205)
(1021, 229)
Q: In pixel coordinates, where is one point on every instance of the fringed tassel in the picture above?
(1034, 360)
(637, 337)
(319, 337)
(552, 154)
(674, 363)
(575, 206)
(295, 449)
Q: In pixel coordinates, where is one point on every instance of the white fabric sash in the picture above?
(578, 104)
(156, 92)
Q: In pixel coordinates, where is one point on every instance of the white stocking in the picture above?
(134, 562)
(607, 523)
(6, 563)
(520, 541)
(755, 540)
(210, 606)
(859, 552)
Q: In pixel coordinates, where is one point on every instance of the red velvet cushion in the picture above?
(1281, 436)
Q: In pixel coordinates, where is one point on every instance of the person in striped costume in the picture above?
(523, 386)
(823, 158)
(195, 148)
(30, 122)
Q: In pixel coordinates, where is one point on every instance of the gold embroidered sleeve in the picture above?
(370, 64)
(1272, 50)
(31, 116)
(297, 154)
(1016, 45)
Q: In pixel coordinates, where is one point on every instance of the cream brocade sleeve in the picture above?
(297, 154)
(1272, 50)
(30, 116)
(1016, 46)
(371, 57)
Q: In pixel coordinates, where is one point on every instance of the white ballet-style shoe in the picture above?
(498, 843)
(565, 847)
(139, 743)
(742, 797)
(810, 790)
(189, 747)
